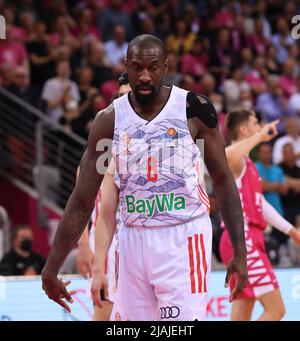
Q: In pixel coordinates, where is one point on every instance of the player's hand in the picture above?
(99, 282)
(295, 235)
(238, 266)
(56, 290)
(84, 261)
(269, 131)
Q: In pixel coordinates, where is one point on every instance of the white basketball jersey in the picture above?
(158, 165)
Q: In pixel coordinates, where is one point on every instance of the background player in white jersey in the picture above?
(165, 240)
(86, 243)
(262, 284)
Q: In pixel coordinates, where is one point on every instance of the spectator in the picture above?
(182, 40)
(292, 137)
(271, 104)
(294, 102)
(221, 57)
(41, 59)
(195, 62)
(256, 78)
(271, 63)
(258, 41)
(21, 260)
(234, 86)
(116, 48)
(287, 80)
(273, 180)
(58, 90)
(6, 75)
(112, 17)
(273, 183)
(173, 76)
(291, 201)
(21, 85)
(282, 40)
(97, 60)
(12, 52)
(261, 8)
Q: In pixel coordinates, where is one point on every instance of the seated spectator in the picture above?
(234, 86)
(271, 62)
(113, 16)
(258, 41)
(256, 78)
(221, 57)
(282, 40)
(292, 127)
(287, 80)
(195, 62)
(294, 101)
(21, 260)
(116, 48)
(181, 41)
(172, 76)
(271, 103)
(56, 90)
(6, 75)
(291, 201)
(97, 60)
(12, 52)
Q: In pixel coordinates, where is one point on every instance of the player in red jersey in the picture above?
(262, 284)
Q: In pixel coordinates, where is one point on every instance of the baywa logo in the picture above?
(169, 312)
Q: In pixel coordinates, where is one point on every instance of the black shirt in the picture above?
(12, 264)
(292, 198)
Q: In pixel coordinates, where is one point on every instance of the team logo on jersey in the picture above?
(171, 132)
(161, 203)
(171, 138)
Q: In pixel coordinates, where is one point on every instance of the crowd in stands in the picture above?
(65, 57)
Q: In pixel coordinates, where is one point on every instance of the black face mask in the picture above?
(26, 245)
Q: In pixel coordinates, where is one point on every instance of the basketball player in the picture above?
(86, 243)
(262, 284)
(165, 238)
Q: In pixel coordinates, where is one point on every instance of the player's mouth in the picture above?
(145, 91)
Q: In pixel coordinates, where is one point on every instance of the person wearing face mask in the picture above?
(21, 260)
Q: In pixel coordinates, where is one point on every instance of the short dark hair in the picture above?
(235, 118)
(18, 228)
(145, 41)
(123, 79)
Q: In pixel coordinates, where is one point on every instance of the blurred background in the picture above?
(59, 66)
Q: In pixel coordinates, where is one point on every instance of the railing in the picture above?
(38, 151)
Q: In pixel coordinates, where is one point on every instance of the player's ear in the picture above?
(126, 62)
(166, 65)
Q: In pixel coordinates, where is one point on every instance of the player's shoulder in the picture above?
(198, 105)
(106, 113)
(103, 124)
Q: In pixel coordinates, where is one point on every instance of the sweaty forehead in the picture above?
(148, 53)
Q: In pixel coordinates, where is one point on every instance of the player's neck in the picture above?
(155, 106)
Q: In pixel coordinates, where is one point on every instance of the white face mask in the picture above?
(247, 103)
(218, 106)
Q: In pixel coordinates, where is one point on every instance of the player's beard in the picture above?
(144, 99)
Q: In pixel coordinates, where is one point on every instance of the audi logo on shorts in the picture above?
(169, 312)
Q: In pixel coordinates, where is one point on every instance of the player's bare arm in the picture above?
(84, 257)
(104, 232)
(235, 153)
(225, 190)
(78, 209)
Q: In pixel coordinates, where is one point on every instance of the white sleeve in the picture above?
(277, 152)
(273, 218)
